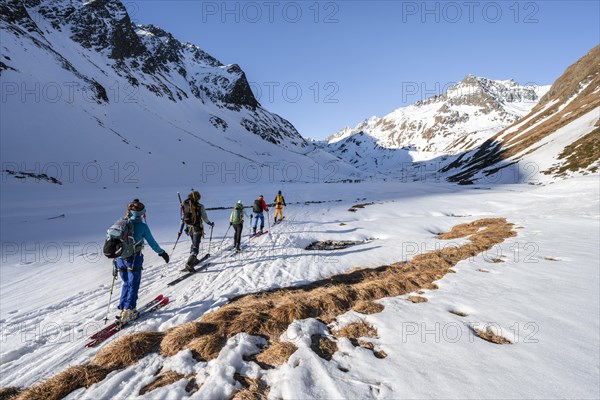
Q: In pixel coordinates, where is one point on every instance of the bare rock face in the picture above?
(145, 55)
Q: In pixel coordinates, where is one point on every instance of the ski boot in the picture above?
(127, 315)
(191, 263)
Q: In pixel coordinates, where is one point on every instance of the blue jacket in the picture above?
(141, 231)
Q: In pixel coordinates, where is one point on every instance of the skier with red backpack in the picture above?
(259, 207)
(124, 243)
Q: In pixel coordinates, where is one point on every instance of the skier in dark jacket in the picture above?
(259, 208)
(237, 221)
(194, 214)
(130, 269)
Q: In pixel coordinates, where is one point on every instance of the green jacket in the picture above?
(237, 215)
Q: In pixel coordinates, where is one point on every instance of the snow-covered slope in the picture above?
(80, 75)
(454, 121)
(558, 138)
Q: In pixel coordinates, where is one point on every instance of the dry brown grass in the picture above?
(7, 393)
(586, 69)
(269, 313)
(552, 259)
(490, 336)
(276, 354)
(497, 260)
(60, 385)
(323, 346)
(417, 299)
(380, 354)
(176, 338)
(357, 330)
(459, 231)
(483, 270)
(579, 155)
(365, 344)
(253, 389)
(128, 349)
(207, 347)
(368, 307)
(163, 379)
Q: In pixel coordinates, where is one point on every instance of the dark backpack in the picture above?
(190, 213)
(257, 207)
(119, 240)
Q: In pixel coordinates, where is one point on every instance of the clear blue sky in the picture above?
(355, 59)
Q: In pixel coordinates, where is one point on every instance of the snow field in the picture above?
(538, 303)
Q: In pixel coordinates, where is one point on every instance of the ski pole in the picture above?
(269, 221)
(210, 239)
(224, 237)
(111, 291)
(180, 226)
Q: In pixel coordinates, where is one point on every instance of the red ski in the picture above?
(114, 324)
(101, 337)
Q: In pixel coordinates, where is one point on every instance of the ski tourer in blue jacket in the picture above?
(130, 269)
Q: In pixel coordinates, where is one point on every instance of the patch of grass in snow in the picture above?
(207, 347)
(490, 336)
(356, 207)
(163, 379)
(60, 385)
(357, 330)
(323, 346)
(368, 307)
(253, 389)
(127, 350)
(180, 336)
(579, 155)
(278, 353)
(380, 354)
(552, 259)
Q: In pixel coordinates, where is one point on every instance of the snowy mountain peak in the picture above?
(459, 119)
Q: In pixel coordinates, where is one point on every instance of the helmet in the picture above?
(135, 209)
(195, 195)
(260, 197)
(136, 205)
(279, 192)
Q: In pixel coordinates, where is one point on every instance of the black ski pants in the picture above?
(195, 232)
(237, 234)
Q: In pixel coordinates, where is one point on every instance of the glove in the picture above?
(165, 256)
(212, 224)
(231, 224)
